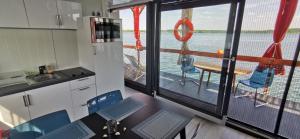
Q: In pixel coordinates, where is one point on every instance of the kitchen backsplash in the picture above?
(26, 49)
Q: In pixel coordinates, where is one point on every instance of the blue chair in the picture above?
(187, 67)
(104, 100)
(40, 126)
(259, 79)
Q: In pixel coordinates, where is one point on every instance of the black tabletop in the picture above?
(152, 105)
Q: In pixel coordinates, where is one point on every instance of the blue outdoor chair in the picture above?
(40, 126)
(259, 79)
(187, 67)
(104, 100)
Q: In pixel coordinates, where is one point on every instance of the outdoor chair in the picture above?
(104, 100)
(138, 69)
(259, 79)
(187, 67)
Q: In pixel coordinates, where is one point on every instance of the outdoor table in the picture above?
(214, 68)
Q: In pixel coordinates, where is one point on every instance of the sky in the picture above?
(258, 15)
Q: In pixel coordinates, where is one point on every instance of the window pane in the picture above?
(256, 37)
(180, 73)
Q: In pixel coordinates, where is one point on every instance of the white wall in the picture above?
(26, 49)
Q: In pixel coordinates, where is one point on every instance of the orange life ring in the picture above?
(189, 34)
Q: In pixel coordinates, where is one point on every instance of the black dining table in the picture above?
(152, 105)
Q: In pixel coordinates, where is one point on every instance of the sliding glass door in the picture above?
(267, 98)
(195, 46)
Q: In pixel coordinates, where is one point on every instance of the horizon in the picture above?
(218, 30)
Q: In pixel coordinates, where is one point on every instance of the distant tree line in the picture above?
(292, 30)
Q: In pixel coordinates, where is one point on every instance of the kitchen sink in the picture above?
(42, 78)
(12, 78)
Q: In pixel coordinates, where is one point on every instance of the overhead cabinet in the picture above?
(42, 13)
(13, 14)
(52, 14)
(70, 14)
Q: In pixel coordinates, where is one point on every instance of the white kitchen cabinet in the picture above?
(23, 106)
(12, 14)
(42, 13)
(13, 110)
(82, 82)
(57, 14)
(80, 97)
(50, 99)
(70, 14)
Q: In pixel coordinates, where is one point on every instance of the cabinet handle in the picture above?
(25, 101)
(60, 20)
(83, 79)
(29, 101)
(57, 20)
(83, 105)
(81, 89)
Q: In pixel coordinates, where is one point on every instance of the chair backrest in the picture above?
(40, 126)
(104, 100)
(263, 77)
(187, 62)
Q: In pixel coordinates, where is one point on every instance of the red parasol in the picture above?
(284, 18)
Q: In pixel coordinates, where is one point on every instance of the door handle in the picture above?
(57, 20)
(29, 101)
(60, 20)
(25, 101)
(230, 59)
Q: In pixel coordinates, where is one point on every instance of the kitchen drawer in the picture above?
(80, 112)
(82, 82)
(80, 97)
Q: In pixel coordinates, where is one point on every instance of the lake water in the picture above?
(251, 44)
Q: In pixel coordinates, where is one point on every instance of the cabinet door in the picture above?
(13, 110)
(50, 99)
(80, 96)
(70, 14)
(42, 13)
(12, 13)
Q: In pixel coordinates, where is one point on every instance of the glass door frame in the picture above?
(148, 87)
(210, 109)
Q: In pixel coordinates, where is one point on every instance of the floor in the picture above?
(208, 92)
(207, 129)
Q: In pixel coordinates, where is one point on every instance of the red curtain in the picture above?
(284, 18)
